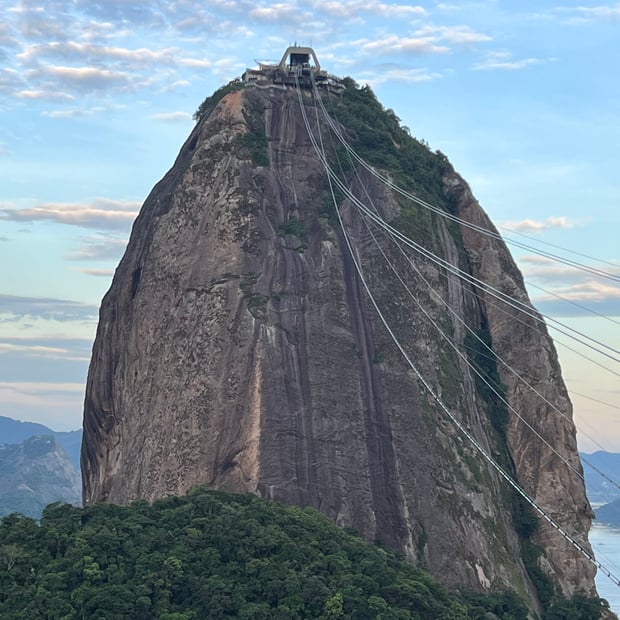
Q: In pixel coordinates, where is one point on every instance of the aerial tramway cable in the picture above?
(332, 179)
(447, 215)
(480, 229)
(493, 355)
(351, 153)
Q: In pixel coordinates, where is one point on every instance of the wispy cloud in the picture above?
(44, 94)
(570, 283)
(73, 112)
(395, 44)
(382, 73)
(100, 247)
(41, 388)
(532, 226)
(100, 273)
(560, 290)
(172, 117)
(278, 12)
(458, 35)
(57, 347)
(52, 404)
(41, 352)
(349, 9)
(87, 78)
(541, 266)
(14, 308)
(593, 13)
(504, 61)
(101, 214)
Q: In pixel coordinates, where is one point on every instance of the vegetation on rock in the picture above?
(379, 137)
(207, 106)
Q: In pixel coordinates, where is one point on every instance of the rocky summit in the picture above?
(237, 348)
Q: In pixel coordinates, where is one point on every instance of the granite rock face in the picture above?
(238, 349)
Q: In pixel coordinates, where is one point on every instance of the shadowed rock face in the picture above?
(237, 349)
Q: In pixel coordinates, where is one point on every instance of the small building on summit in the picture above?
(299, 65)
(299, 57)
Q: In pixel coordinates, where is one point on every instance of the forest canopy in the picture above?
(215, 555)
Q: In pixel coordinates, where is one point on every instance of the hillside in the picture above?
(214, 555)
(601, 491)
(609, 514)
(15, 431)
(35, 473)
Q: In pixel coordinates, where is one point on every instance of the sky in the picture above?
(96, 98)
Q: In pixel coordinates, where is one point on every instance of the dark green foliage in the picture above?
(507, 605)
(378, 137)
(255, 140)
(209, 103)
(256, 144)
(293, 227)
(579, 607)
(212, 555)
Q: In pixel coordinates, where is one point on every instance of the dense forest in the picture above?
(217, 555)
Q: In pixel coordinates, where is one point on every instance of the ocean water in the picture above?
(605, 542)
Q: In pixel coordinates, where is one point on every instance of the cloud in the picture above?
(71, 50)
(562, 290)
(172, 117)
(101, 214)
(381, 74)
(352, 8)
(14, 308)
(601, 12)
(279, 12)
(10, 80)
(147, 15)
(458, 35)
(529, 225)
(174, 85)
(127, 58)
(52, 404)
(46, 347)
(534, 265)
(99, 248)
(88, 78)
(73, 112)
(402, 45)
(43, 94)
(41, 388)
(587, 291)
(102, 273)
(504, 60)
(35, 350)
(7, 36)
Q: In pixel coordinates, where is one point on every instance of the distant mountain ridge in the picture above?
(601, 491)
(15, 431)
(35, 473)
